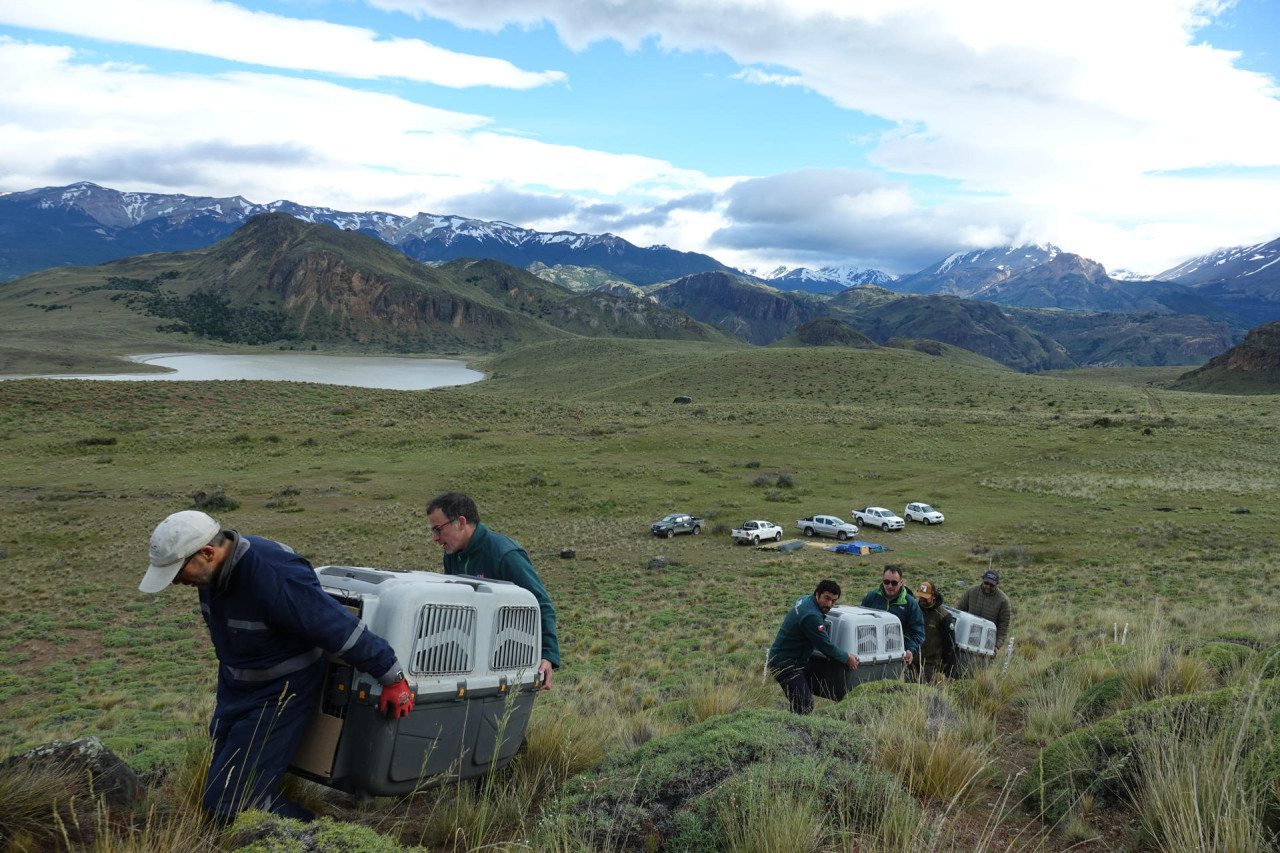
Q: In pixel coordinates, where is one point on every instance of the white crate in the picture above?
(874, 637)
(974, 634)
(470, 646)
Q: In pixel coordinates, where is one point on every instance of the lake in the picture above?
(397, 374)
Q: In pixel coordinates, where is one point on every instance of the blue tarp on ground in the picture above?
(856, 546)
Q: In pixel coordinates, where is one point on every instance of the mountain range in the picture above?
(1030, 307)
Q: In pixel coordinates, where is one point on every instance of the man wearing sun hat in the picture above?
(938, 651)
(989, 602)
(271, 625)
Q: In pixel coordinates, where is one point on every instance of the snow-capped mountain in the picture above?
(826, 279)
(964, 273)
(88, 224)
(1242, 261)
(1129, 275)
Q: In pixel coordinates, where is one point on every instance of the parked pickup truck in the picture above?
(827, 525)
(878, 516)
(676, 522)
(754, 531)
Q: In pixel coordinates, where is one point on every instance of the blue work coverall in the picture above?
(271, 624)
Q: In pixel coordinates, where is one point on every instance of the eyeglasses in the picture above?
(892, 583)
(436, 528)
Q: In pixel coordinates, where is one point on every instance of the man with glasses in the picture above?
(271, 625)
(893, 597)
(988, 602)
(803, 630)
(470, 548)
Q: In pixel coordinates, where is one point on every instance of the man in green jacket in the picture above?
(804, 630)
(470, 548)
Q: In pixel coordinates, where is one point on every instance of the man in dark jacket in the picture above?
(470, 548)
(271, 625)
(938, 651)
(893, 597)
(803, 631)
(988, 602)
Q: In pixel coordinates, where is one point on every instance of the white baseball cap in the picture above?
(174, 540)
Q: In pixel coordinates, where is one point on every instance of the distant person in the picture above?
(271, 625)
(988, 602)
(893, 597)
(470, 548)
(938, 651)
(803, 631)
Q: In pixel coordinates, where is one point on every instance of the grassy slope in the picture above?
(1093, 499)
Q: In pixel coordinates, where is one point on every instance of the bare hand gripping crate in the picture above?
(975, 641)
(471, 648)
(873, 636)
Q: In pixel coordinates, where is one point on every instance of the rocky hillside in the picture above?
(1250, 367)
(755, 313)
(280, 279)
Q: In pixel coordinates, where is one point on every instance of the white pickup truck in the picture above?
(754, 531)
(878, 516)
(827, 525)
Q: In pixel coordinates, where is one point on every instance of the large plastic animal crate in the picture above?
(975, 641)
(471, 649)
(873, 636)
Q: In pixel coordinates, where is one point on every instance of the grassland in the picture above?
(1103, 504)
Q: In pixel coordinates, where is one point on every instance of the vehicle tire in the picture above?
(926, 521)
(808, 531)
(696, 530)
(670, 533)
(840, 534)
(755, 540)
(884, 528)
(777, 537)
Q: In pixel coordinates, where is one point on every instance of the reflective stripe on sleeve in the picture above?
(351, 640)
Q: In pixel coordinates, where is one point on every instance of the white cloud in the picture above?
(268, 137)
(228, 31)
(1065, 108)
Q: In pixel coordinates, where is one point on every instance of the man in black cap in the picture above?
(988, 602)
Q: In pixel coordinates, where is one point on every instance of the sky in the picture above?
(883, 134)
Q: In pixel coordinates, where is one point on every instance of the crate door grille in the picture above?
(445, 640)
(515, 638)
(867, 641)
(893, 637)
(989, 642)
(975, 635)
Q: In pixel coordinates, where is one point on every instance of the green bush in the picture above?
(1098, 760)
(1100, 699)
(671, 791)
(1224, 657)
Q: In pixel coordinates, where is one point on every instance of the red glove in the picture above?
(397, 699)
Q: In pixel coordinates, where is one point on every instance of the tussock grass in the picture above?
(1197, 793)
(935, 755)
(1091, 529)
(34, 804)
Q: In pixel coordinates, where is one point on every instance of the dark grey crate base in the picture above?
(833, 680)
(967, 663)
(437, 742)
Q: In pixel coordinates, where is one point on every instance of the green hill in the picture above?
(281, 282)
(1251, 367)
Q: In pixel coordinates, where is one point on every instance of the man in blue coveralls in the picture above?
(470, 548)
(271, 625)
(803, 631)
